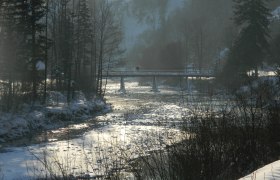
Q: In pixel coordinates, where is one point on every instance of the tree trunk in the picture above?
(34, 71)
(46, 53)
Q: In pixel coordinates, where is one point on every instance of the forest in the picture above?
(67, 45)
(55, 46)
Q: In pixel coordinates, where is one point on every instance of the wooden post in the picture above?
(155, 88)
(122, 86)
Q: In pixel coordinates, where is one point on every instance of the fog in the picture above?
(148, 89)
(171, 34)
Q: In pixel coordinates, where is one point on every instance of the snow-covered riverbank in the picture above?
(141, 121)
(268, 172)
(56, 114)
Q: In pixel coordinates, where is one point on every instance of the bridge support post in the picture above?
(188, 84)
(122, 86)
(155, 88)
(183, 83)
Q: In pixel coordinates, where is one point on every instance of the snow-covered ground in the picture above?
(92, 154)
(268, 172)
(15, 125)
(142, 121)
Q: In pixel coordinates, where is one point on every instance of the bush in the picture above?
(223, 144)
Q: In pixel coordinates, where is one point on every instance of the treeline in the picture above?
(256, 44)
(50, 45)
(192, 34)
(197, 33)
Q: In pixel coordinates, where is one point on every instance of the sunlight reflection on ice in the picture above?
(128, 135)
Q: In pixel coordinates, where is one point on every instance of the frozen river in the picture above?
(141, 121)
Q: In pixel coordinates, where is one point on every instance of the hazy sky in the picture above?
(133, 28)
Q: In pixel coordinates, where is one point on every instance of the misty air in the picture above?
(140, 89)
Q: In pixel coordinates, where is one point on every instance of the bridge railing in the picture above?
(160, 72)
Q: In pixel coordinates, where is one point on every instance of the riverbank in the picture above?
(37, 120)
(141, 124)
(268, 172)
(137, 120)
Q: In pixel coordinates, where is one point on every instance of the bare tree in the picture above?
(108, 37)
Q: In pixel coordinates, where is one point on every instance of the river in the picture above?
(140, 121)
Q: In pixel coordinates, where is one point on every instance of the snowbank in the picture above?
(268, 172)
(33, 118)
(263, 85)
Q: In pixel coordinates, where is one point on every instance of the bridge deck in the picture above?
(205, 74)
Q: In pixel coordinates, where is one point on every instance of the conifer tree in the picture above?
(37, 13)
(28, 15)
(83, 38)
(252, 16)
(8, 46)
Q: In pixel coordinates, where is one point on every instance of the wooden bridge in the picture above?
(193, 73)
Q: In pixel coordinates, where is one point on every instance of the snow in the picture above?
(14, 125)
(142, 122)
(268, 172)
(106, 143)
(16, 159)
(132, 135)
(271, 81)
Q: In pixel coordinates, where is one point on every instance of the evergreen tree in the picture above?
(37, 9)
(7, 56)
(28, 16)
(251, 45)
(84, 36)
(275, 51)
(65, 41)
(18, 12)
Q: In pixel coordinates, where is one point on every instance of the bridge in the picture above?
(193, 73)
